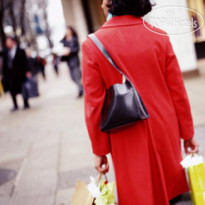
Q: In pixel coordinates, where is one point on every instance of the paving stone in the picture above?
(6, 175)
(6, 189)
(64, 196)
(40, 199)
(68, 179)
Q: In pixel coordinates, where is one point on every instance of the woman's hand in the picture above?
(101, 164)
(191, 146)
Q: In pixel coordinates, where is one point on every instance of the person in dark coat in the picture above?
(32, 63)
(15, 70)
(70, 42)
(41, 63)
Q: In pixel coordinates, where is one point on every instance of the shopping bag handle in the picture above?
(99, 177)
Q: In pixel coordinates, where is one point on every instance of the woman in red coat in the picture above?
(146, 156)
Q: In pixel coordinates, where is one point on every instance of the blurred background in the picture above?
(45, 149)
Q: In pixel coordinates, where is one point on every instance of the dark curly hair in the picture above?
(74, 33)
(137, 8)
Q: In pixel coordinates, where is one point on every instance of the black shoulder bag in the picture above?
(123, 105)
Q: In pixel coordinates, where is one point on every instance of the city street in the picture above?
(47, 147)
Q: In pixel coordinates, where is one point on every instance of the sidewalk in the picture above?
(48, 145)
(196, 91)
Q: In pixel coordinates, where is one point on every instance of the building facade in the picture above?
(86, 16)
(199, 36)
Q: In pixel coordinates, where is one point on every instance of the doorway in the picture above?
(93, 14)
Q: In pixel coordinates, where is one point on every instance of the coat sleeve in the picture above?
(178, 93)
(95, 92)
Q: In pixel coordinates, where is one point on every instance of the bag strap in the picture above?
(104, 51)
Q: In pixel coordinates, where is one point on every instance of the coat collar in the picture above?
(125, 20)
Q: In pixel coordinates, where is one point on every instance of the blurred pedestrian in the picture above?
(55, 63)
(30, 87)
(1, 85)
(32, 62)
(70, 42)
(147, 155)
(15, 70)
(41, 63)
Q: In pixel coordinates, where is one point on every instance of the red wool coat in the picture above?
(147, 155)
